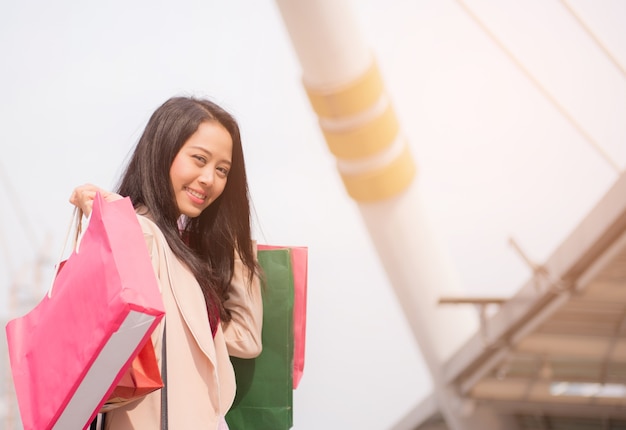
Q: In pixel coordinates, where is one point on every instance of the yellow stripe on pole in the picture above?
(355, 130)
(384, 182)
(365, 139)
(354, 97)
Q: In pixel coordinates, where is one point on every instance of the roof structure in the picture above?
(554, 355)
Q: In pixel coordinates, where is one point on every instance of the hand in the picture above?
(82, 197)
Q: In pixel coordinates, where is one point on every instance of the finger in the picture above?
(82, 197)
(78, 191)
(87, 207)
(111, 197)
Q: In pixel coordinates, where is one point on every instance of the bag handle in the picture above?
(164, 424)
(75, 222)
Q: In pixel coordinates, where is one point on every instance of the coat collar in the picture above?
(191, 303)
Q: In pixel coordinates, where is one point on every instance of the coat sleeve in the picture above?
(245, 303)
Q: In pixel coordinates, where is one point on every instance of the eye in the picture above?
(199, 158)
(223, 171)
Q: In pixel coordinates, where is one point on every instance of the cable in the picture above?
(542, 89)
(595, 38)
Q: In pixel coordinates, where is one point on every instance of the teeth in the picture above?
(198, 195)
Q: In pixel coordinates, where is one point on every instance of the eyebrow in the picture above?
(200, 148)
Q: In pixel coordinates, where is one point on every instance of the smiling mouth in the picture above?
(196, 194)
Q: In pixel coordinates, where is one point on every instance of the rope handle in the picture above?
(76, 224)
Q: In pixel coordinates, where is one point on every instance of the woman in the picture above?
(187, 182)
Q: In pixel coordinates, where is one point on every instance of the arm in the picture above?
(245, 303)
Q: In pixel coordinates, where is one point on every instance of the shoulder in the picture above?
(147, 225)
(151, 233)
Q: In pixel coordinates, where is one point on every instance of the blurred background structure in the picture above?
(25, 287)
(455, 167)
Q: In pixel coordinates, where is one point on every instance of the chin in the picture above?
(191, 213)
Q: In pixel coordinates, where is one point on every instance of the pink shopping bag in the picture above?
(68, 353)
(299, 263)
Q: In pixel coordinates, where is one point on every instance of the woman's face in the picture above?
(200, 169)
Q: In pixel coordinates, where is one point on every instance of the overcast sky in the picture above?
(496, 157)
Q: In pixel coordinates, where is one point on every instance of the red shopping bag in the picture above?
(68, 353)
(299, 264)
(142, 377)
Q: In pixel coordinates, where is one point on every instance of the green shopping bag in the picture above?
(264, 399)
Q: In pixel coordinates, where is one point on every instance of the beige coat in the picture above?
(200, 377)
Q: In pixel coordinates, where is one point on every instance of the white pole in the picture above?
(374, 160)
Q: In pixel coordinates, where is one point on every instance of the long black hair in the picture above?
(207, 243)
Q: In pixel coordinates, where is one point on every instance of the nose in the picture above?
(207, 178)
